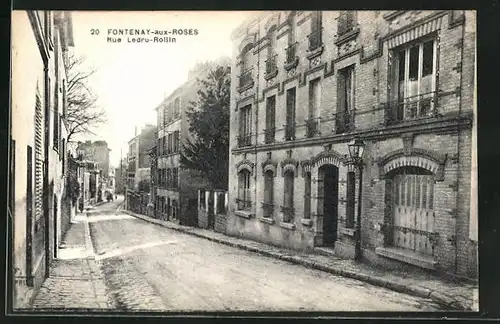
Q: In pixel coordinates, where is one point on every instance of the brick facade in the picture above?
(439, 143)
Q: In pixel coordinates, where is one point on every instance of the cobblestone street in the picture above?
(148, 267)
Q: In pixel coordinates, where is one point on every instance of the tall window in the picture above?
(164, 144)
(315, 36)
(165, 115)
(291, 50)
(176, 141)
(177, 104)
(169, 148)
(287, 208)
(175, 178)
(270, 119)
(350, 197)
(345, 102)
(271, 52)
(243, 201)
(314, 107)
(169, 178)
(290, 114)
(245, 78)
(414, 80)
(268, 193)
(307, 196)
(346, 22)
(245, 126)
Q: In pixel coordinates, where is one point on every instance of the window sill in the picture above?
(406, 256)
(288, 66)
(348, 231)
(289, 226)
(243, 213)
(271, 74)
(267, 220)
(347, 36)
(311, 54)
(245, 87)
(306, 222)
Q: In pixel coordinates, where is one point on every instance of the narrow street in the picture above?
(150, 267)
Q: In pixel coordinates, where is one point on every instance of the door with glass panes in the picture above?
(413, 210)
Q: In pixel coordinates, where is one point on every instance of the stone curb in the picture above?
(94, 267)
(416, 291)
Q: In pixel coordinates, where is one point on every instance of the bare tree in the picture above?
(81, 112)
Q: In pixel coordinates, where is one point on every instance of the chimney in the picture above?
(135, 131)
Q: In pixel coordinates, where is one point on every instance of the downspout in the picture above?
(46, 167)
(257, 116)
(459, 142)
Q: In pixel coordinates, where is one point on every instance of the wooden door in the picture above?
(413, 206)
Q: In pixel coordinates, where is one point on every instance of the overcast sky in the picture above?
(133, 78)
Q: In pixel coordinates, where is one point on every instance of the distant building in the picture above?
(176, 188)
(97, 151)
(121, 176)
(138, 157)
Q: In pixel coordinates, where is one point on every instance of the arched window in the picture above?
(287, 208)
(268, 193)
(244, 202)
(246, 57)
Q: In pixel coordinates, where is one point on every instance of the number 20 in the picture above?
(94, 32)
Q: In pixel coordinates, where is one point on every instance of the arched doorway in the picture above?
(328, 188)
(410, 193)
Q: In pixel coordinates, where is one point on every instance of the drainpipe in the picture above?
(257, 121)
(46, 193)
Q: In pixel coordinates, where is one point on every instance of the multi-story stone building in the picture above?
(97, 151)
(304, 84)
(40, 41)
(138, 157)
(176, 188)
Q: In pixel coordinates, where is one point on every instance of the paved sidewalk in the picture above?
(75, 280)
(452, 295)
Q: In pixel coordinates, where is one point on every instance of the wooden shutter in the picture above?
(38, 159)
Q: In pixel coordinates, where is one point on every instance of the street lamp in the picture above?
(356, 149)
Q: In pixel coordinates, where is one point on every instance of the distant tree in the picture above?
(143, 186)
(81, 112)
(208, 119)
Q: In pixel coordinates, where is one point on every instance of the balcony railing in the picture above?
(244, 140)
(410, 108)
(314, 39)
(344, 121)
(243, 204)
(291, 54)
(246, 79)
(268, 210)
(269, 135)
(290, 132)
(312, 127)
(288, 214)
(271, 65)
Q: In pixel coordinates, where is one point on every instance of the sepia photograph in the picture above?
(243, 161)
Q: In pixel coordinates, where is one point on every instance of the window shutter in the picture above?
(38, 159)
